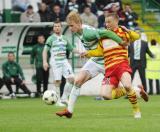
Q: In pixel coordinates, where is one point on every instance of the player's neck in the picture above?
(80, 32)
(58, 34)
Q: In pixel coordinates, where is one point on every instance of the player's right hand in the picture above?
(45, 66)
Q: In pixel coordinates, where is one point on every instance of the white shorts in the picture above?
(64, 70)
(93, 68)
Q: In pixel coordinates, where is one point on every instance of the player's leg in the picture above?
(110, 89)
(1, 83)
(8, 83)
(39, 76)
(20, 84)
(89, 70)
(67, 90)
(45, 79)
(57, 86)
(126, 81)
(57, 73)
(80, 78)
(68, 74)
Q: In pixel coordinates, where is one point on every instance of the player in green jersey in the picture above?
(57, 44)
(90, 38)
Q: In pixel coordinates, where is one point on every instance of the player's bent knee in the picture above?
(81, 78)
(106, 96)
(128, 88)
(78, 82)
(71, 80)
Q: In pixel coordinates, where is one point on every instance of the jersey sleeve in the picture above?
(48, 44)
(96, 52)
(5, 71)
(104, 33)
(133, 35)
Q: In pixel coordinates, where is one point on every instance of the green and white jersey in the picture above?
(57, 45)
(90, 37)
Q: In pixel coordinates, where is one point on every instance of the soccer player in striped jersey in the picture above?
(116, 63)
(57, 44)
(90, 38)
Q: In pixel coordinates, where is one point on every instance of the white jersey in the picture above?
(57, 45)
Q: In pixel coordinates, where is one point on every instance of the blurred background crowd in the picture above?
(92, 12)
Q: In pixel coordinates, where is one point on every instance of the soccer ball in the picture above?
(50, 97)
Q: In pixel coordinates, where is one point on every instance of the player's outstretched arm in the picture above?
(104, 33)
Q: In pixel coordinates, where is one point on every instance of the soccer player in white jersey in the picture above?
(57, 44)
(90, 38)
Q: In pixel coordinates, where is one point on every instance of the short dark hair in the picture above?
(40, 34)
(87, 6)
(153, 42)
(10, 52)
(30, 7)
(56, 22)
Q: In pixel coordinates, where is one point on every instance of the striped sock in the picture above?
(118, 92)
(57, 89)
(133, 100)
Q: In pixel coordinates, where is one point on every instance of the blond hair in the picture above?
(75, 17)
(114, 15)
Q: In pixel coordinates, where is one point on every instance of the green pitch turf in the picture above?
(32, 115)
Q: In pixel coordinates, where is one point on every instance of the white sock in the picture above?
(58, 92)
(67, 91)
(73, 97)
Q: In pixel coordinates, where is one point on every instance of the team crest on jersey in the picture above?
(61, 47)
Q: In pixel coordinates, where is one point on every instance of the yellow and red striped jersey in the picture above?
(113, 52)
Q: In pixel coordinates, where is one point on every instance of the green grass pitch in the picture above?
(32, 115)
